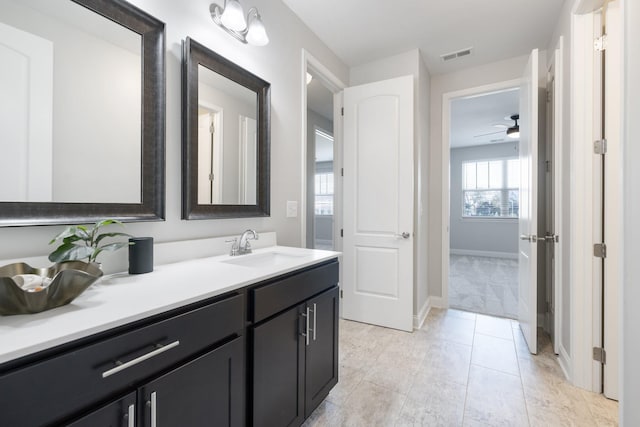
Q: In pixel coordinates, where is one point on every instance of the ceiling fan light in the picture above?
(233, 16)
(514, 131)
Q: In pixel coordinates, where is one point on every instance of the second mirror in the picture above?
(225, 138)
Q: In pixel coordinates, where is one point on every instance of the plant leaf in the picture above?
(70, 251)
(105, 235)
(105, 222)
(113, 246)
(67, 232)
(110, 247)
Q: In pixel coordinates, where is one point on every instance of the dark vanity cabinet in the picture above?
(265, 355)
(294, 342)
(185, 367)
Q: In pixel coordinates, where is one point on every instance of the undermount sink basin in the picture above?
(261, 260)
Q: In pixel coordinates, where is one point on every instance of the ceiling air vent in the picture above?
(455, 55)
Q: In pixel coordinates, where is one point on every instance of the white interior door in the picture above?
(378, 203)
(26, 116)
(528, 221)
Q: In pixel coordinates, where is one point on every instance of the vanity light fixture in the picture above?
(514, 131)
(231, 19)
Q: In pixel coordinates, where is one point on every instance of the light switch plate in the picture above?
(292, 209)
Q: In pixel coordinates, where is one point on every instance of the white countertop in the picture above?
(120, 298)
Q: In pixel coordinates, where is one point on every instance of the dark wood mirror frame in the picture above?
(195, 54)
(152, 206)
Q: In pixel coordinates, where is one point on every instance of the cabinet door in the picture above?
(278, 397)
(120, 413)
(322, 352)
(208, 391)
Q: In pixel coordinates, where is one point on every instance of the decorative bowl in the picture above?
(26, 290)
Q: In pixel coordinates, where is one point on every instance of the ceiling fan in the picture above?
(502, 126)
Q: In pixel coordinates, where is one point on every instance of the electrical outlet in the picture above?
(292, 209)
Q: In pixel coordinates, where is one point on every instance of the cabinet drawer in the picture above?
(55, 388)
(273, 297)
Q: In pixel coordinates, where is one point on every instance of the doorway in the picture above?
(484, 203)
(322, 156)
(320, 165)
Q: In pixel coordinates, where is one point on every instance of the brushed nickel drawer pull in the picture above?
(131, 416)
(122, 366)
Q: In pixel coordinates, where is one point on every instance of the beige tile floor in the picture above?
(460, 369)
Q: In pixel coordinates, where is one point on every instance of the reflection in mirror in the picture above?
(81, 112)
(68, 75)
(225, 138)
(227, 141)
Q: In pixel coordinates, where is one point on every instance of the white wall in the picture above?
(630, 295)
(440, 84)
(479, 234)
(410, 63)
(279, 63)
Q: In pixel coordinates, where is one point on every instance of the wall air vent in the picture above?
(458, 54)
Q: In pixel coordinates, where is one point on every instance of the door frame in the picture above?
(335, 85)
(582, 370)
(556, 64)
(447, 98)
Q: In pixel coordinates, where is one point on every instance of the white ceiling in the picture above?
(481, 120)
(360, 31)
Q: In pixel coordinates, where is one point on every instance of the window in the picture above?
(324, 193)
(490, 188)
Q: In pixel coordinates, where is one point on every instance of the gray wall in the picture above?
(480, 234)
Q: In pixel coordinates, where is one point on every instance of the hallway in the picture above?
(459, 369)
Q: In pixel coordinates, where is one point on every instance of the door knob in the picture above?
(527, 237)
(404, 235)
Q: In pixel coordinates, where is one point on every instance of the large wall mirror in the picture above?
(82, 112)
(226, 137)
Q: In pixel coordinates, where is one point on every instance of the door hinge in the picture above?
(548, 96)
(341, 232)
(342, 111)
(600, 355)
(600, 250)
(600, 146)
(212, 128)
(341, 294)
(548, 165)
(600, 43)
(341, 171)
(210, 177)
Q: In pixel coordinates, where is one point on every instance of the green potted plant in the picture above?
(80, 242)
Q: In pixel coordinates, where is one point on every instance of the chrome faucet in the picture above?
(242, 246)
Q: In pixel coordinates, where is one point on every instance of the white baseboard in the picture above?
(565, 363)
(491, 254)
(438, 302)
(418, 319)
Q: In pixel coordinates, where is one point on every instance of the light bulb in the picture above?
(256, 34)
(233, 16)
